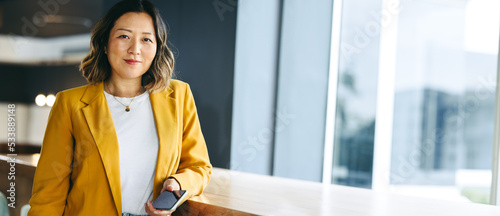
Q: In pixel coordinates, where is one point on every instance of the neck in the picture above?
(130, 88)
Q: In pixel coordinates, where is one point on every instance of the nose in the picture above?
(135, 48)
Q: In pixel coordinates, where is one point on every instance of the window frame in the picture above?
(495, 167)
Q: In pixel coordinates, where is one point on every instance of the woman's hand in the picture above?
(155, 212)
(170, 184)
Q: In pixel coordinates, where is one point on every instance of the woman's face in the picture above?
(131, 46)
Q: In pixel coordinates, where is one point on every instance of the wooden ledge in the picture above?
(237, 193)
(266, 195)
(192, 207)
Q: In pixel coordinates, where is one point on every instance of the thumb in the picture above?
(170, 188)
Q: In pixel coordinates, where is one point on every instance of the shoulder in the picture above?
(72, 96)
(178, 85)
(74, 91)
(178, 88)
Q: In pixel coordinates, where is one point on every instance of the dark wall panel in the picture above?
(23, 83)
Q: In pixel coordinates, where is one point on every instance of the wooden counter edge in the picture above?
(191, 207)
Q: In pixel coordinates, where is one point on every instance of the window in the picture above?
(416, 97)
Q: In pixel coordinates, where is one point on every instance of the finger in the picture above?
(146, 208)
(173, 183)
(150, 209)
(170, 188)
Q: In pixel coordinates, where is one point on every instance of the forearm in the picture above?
(194, 179)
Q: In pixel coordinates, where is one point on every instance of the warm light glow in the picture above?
(40, 100)
(51, 99)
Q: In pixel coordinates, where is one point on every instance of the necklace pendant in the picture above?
(127, 109)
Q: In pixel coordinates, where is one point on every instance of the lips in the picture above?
(132, 61)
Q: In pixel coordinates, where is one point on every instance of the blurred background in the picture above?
(390, 95)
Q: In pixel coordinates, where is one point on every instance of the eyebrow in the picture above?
(128, 30)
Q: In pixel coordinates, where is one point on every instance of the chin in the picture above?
(132, 75)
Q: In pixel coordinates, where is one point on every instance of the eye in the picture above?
(147, 40)
(123, 36)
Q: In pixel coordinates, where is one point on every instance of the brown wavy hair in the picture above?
(95, 66)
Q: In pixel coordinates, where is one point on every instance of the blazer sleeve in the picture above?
(194, 169)
(52, 175)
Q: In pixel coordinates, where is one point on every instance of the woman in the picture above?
(113, 145)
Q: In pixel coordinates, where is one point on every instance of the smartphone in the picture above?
(169, 200)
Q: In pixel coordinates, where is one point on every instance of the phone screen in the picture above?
(169, 199)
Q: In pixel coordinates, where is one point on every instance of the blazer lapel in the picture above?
(101, 126)
(165, 115)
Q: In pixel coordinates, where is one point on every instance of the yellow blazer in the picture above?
(79, 171)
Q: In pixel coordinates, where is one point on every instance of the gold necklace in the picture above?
(127, 107)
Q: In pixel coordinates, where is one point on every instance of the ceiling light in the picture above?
(40, 100)
(51, 99)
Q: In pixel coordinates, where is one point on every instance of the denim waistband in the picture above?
(128, 214)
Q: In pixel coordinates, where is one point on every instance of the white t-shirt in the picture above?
(138, 147)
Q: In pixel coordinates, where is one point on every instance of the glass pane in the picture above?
(444, 99)
(356, 94)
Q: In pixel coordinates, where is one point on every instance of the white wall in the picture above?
(302, 89)
(31, 121)
(256, 62)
